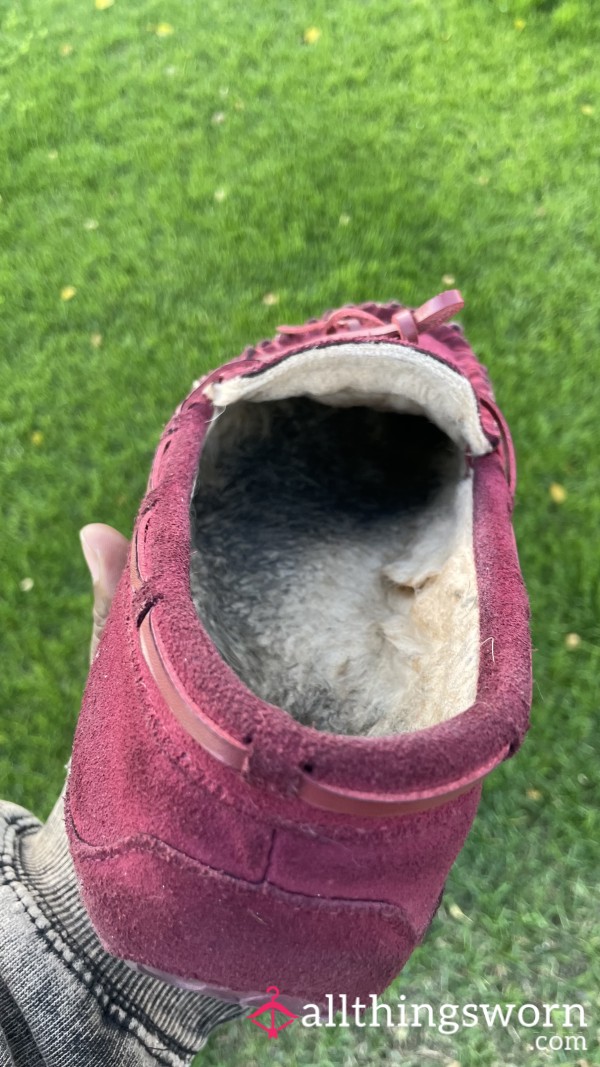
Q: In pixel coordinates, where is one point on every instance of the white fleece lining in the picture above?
(398, 642)
(382, 376)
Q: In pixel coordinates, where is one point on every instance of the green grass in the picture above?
(460, 138)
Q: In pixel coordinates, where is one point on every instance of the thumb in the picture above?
(105, 551)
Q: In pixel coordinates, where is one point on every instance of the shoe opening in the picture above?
(332, 544)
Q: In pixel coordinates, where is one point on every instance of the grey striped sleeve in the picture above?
(64, 1002)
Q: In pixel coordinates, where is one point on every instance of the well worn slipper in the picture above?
(319, 650)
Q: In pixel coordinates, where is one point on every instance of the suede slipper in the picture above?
(319, 650)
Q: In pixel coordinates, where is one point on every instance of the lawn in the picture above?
(178, 179)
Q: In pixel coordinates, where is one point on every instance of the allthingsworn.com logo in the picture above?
(269, 1012)
(274, 1016)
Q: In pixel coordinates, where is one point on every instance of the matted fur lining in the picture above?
(332, 560)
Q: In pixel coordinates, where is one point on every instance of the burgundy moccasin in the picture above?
(319, 650)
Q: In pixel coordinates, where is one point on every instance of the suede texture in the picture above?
(226, 876)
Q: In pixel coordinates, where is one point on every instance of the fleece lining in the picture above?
(332, 524)
(384, 376)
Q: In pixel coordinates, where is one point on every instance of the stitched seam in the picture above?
(147, 844)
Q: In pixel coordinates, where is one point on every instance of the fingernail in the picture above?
(91, 557)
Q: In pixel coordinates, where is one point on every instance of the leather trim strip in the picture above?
(317, 794)
(203, 730)
(334, 798)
